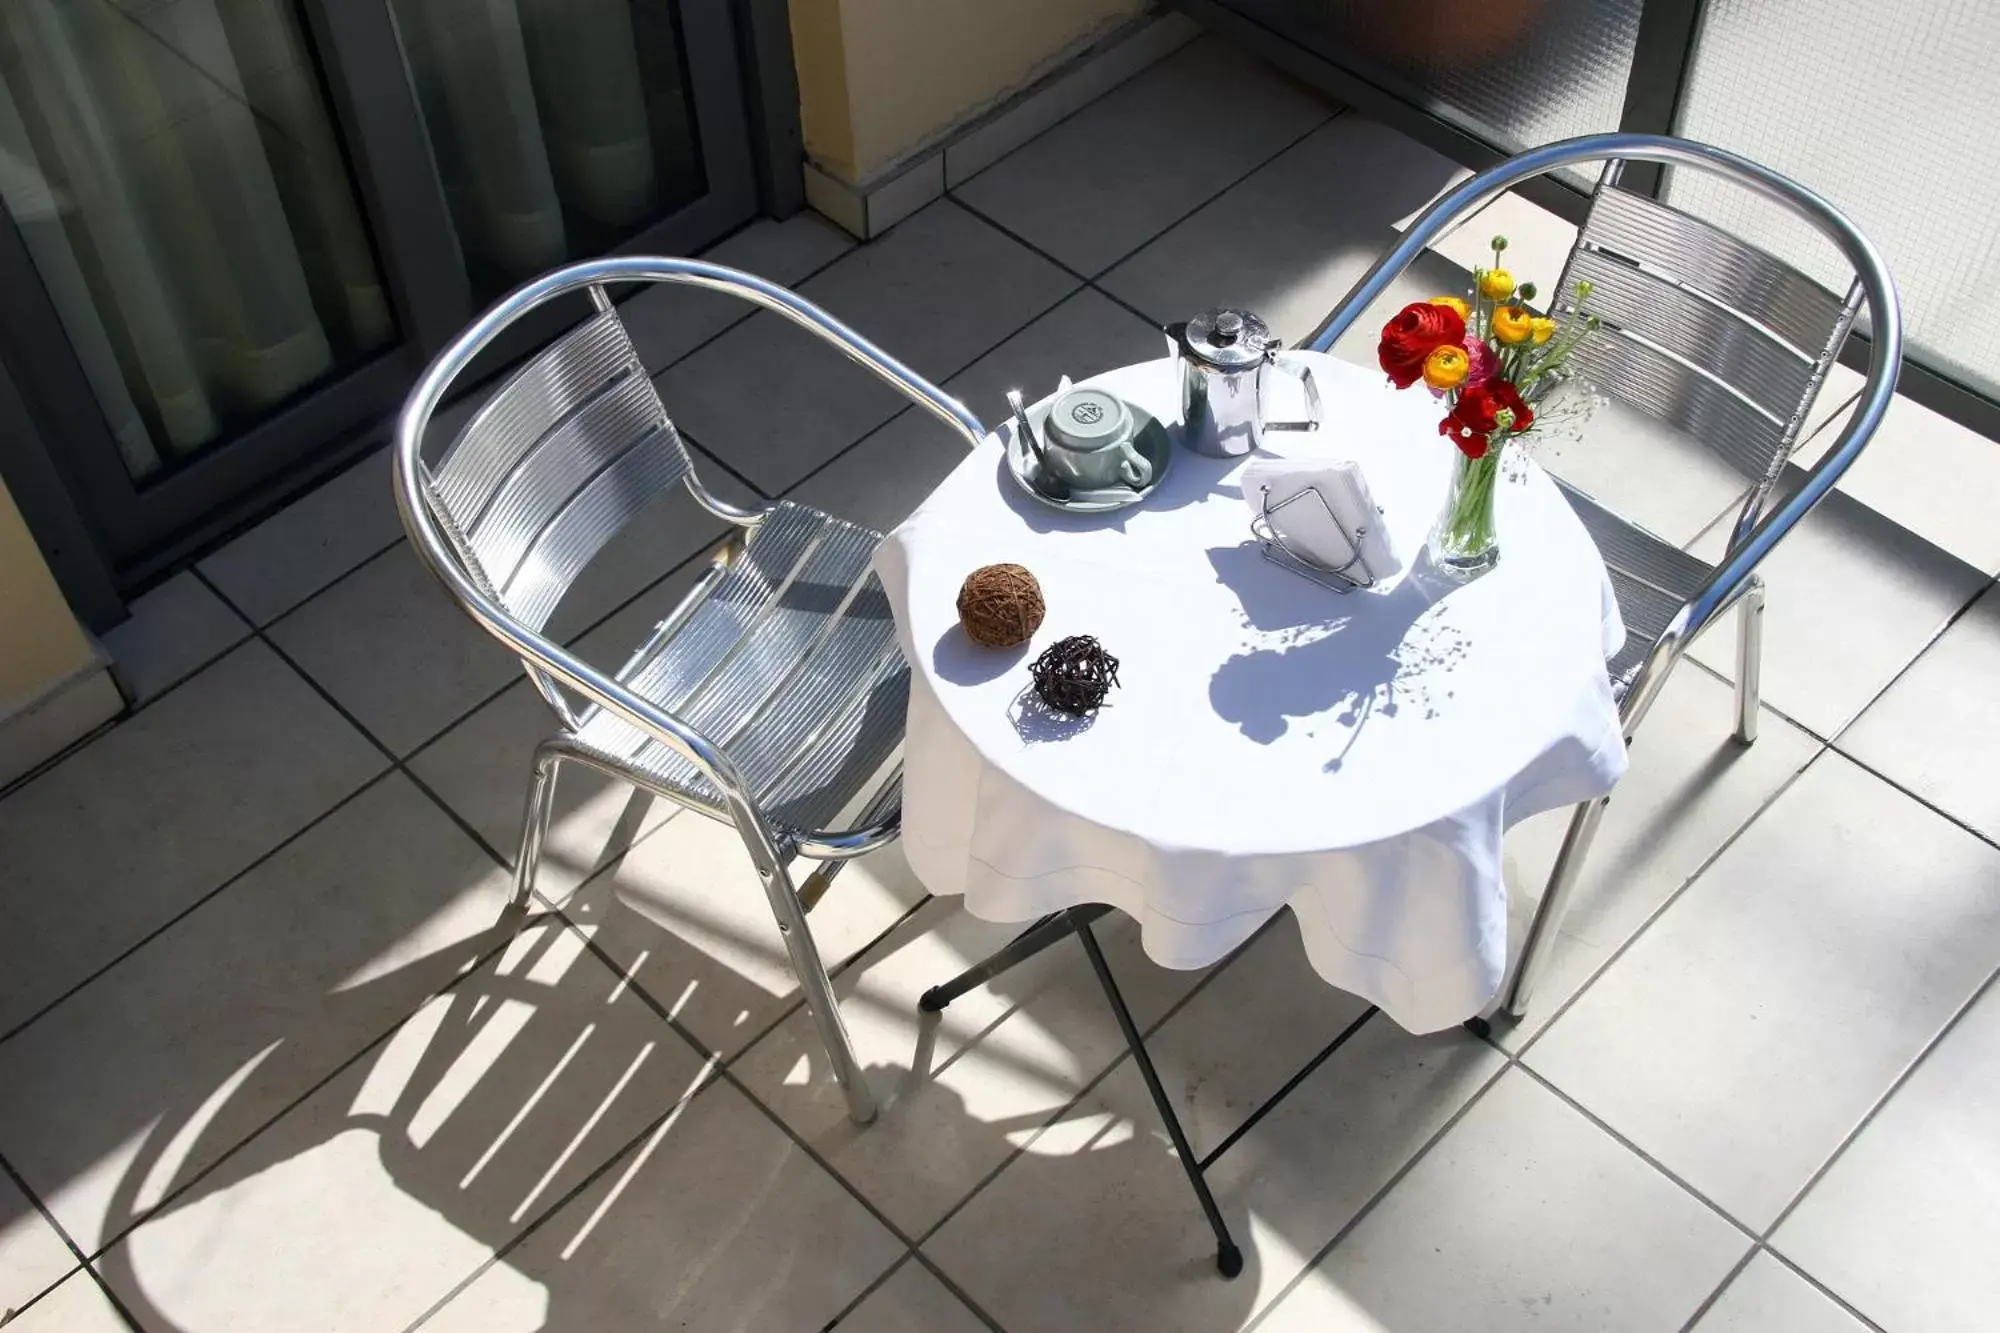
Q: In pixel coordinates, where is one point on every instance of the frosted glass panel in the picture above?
(1515, 72)
(1886, 111)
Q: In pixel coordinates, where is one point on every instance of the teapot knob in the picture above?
(1228, 326)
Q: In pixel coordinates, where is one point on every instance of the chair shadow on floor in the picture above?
(534, 1109)
(506, 1116)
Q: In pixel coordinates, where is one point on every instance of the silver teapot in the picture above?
(1222, 357)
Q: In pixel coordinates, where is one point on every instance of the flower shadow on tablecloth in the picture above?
(1311, 652)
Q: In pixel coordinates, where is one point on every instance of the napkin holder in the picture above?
(1321, 524)
(1341, 578)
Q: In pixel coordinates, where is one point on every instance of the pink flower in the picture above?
(1484, 363)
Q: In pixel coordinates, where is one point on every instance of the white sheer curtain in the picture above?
(172, 169)
(537, 113)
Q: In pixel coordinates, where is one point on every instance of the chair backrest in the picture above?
(1710, 333)
(569, 451)
(553, 466)
(1701, 329)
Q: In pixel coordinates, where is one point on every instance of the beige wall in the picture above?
(879, 78)
(40, 642)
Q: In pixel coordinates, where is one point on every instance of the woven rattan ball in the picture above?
(1000, 605)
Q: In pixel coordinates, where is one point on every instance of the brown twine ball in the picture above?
(1000, 605)
(1073, 675)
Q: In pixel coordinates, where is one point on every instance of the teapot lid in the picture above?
(1228, 338)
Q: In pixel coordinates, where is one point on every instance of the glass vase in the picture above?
(1463, 543)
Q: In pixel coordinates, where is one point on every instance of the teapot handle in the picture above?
(1304, 374)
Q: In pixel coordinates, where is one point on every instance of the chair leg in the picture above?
(1749, 660)
(1539, 949)
(818, 988)
(535, 823)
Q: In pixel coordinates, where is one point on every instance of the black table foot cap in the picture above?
(1479, 1027)
(1228, 1260)
(933, 1000)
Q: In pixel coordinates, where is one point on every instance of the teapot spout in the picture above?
(1176, 338)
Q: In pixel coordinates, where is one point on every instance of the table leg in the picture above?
(1039, 936)
(1228, 1259)
(1051, 929)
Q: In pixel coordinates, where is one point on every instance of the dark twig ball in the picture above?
(1073, 675)
(1000, 605)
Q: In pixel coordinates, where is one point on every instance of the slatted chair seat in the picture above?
(790, 663)
(1651, 577)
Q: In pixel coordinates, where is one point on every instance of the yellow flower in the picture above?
(1496, 284)
(1446, 367)
(1545, 329)
(1453, 303)
(1513, 324)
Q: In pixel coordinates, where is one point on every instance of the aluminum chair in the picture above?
(1717, 338)
(772, 697)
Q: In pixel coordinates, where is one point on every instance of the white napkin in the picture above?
(1306, 527)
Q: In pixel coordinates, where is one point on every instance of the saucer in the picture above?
(1150, 437)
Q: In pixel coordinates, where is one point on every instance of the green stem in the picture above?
(1468, 525)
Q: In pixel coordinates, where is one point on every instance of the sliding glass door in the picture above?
(174, 176)
(235, 229)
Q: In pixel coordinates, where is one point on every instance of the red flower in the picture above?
(1477, 415)
(1414, 334)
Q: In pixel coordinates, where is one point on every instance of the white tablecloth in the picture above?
(1272, 743)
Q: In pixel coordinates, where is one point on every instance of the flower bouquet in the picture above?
(1490, 359)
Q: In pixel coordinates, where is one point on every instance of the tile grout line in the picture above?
(1289, 1086)
(1709, 1301)
(708, 1077)
(1896, 1085)
(113, 1299)
(709, 455)
(951, 1285)
(881, 1279)
(259, 860)
(82, 1260)
(1347, 1228)
(908, 407)
(1570, 1001)
(1088, 1087)
(396, 764)
(1090, 283)
(499, 379)
(1512, 1060)
(1334, 111)
(1826, 745)
(715, 1072)
(1820, 1287)
(1618, 1137)
(147, 1214)
(1761, 1240)
(1085, 281)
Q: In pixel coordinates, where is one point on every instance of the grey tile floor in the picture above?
(273, 1058)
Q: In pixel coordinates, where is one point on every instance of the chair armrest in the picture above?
(879, 823)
